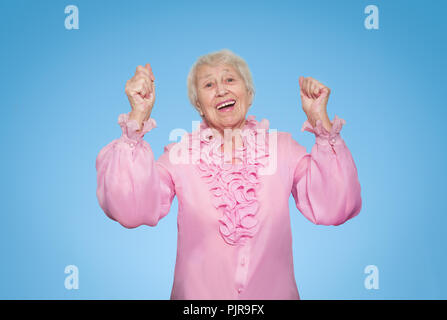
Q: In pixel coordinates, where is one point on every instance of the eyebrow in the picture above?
(205, 76)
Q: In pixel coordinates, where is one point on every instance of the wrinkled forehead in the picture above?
(208, 71)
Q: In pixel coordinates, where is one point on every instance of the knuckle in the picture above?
(134, 87)
(139, 80)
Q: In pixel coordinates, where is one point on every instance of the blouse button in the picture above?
(239, 290)
(332, 141)
(132, 145)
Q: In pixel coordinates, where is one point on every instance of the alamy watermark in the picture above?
(372, 278)
(72, 280)
(260, 144)
(372, 20)
(72, 20)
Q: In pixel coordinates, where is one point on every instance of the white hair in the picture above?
(223, 56)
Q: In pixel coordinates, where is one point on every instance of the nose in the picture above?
(221, 89)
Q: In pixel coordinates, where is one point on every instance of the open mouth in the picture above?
(226, 105)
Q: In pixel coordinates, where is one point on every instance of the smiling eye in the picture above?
(230, 80)
(208, 85)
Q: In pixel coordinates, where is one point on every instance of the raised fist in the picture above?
(140, 91)
(314, 99)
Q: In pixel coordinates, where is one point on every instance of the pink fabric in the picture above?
(234, 234)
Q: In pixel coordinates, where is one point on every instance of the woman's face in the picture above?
(222, 96)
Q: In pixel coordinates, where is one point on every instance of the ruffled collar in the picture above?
(234, 187)
(207, 134)
(253, 148)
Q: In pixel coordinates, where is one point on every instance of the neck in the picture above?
(230, 132)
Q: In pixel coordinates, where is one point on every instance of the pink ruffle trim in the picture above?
(320, 131)
(130, 127)
(234, 186)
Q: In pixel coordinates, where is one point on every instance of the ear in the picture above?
(199, 108)
(251, 99)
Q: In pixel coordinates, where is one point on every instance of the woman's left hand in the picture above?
(314, 98)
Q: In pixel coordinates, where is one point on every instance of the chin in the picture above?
(232, 123)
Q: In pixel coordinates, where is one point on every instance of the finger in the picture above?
(140, 87)
(319, 88)
(311, 89)
(147, 89)
(148, 82)
(307, 86)
(143, 79)
(149, 69)
(142, 71)
(150, 89)
(311, 83)
(323, 96)
(304, 88)
(140, 68)
(315, 89)
(143, 90)
(300, 81)
(128, 87)
(153, 87)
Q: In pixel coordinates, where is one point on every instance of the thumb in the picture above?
(323, 96)
(148, 66)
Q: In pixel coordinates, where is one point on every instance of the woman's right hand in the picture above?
(140, 91)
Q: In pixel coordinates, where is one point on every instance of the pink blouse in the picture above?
(234, 233)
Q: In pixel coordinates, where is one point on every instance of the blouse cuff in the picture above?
(130, 127)
(324, 137)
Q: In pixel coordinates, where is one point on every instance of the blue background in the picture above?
(62, 91)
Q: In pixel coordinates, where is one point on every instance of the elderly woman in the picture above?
(233, 178)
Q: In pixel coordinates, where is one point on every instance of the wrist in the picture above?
(327, 124)
(139, 116)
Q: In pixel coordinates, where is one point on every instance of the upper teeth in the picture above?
(225, 104)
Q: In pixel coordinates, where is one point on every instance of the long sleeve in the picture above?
(325, 186)
(132, 188)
